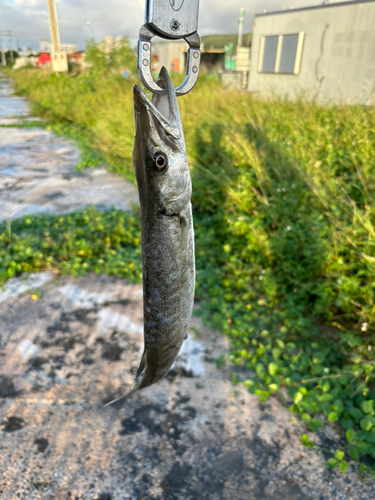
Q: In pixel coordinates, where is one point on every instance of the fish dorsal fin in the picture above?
(166, 104)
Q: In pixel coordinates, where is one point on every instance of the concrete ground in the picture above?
(62, 357)
(37, 170)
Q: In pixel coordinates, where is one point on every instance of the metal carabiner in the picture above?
(172, 20)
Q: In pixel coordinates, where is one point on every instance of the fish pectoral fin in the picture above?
(186, 336)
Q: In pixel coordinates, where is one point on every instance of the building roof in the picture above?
(314, 7)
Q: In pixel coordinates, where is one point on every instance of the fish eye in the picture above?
(160, 161)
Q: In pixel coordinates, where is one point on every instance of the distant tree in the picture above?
(106, 57)
(8, 56)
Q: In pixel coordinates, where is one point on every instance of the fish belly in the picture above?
(168, 289)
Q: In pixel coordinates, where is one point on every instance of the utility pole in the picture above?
(58, 58)
(53, 26)
(3, 59)
(242, 54)
(10, 46)
(240, 26)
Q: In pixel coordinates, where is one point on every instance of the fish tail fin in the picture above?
(141, 367)
(137, 382)
(124, 396)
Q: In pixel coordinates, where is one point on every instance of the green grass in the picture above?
(285, 238)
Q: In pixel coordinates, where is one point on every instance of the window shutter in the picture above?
(288, 54)
(269, 55)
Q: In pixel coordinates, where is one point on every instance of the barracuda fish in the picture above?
(164, 186)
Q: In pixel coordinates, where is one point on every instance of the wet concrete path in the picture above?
(191, 436)
(37, 169)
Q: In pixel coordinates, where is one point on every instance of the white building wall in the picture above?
(338, 58)
(166, 52)
(66, 48)
(44, 45)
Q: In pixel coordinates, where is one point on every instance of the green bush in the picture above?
(121, 57)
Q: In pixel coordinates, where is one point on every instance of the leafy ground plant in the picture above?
(284, 220)
(91, 240)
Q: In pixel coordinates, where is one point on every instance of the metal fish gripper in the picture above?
(171, 20)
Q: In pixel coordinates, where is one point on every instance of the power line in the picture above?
(24, 35)
(32, 36)
(8, 33)
(39, 37)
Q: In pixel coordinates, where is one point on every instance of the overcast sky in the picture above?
(82, 19)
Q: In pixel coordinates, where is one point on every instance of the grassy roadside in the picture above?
(284, 221)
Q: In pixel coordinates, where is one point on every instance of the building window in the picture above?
(281, 53)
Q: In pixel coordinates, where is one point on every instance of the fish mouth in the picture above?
(162, 108)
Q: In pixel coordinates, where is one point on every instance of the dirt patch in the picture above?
(13, 423)
(41, 444)
(7, 388)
